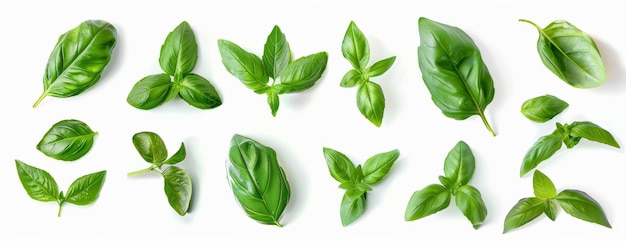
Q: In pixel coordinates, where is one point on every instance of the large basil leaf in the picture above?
(543, 108)
(339, 165)
(541, 150)
(247, 67)
(582, 206)
(523, 212)
(570, 54)
(257, 181)
(152, 91)
(151, 147)
(433, 198)
(470, 202)
(78, 59)
(85, 189)
(376, 167)
(67, 140)
(453, 71)
(199, 92)
(179, 53)
(355, 47)
(276, 53)
(459, 165)
(543, 186)
(371, 102)
(302, 73)
(351, 208)
(178, 189)
(39, 184)
(592, 132)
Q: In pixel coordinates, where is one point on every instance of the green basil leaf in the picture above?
(523, 212)
(570, 54)
(433, 198)
(550, 209)
(543, 186)
(151, 147)
(355, 47)
(339, 165)
(38, 183)
(152, 91)
(352, 78)
(85, 189)
(541, 150)
(78, 59)
(355, 192)
(351, 208)
(580, 205)
(179, 53)
(380, 67)
(199, 92)
(67, 140)
(371, 102)
(276, 53)
(592, 132)
(258, 182)
(459, 164)
(543, 108)
(273, 101)
(302, 73)
(178, 156)
(470, 202)
(178, 189)
(446, 182)
(376, 167)
(246, 66)
(454, 72)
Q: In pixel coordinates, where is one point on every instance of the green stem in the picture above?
(482, 116)
(139, 172)
(59, 212)
(40, 99)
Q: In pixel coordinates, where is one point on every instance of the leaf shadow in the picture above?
(614, 66)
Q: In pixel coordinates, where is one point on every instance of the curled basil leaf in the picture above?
(469, 200)
(541, 150)
(371, 102)
(199, 92)
(543, 108)
(351, 208)
(178, 189)
(67, 140)
(580, 205)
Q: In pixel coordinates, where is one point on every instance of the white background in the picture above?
(324, 116)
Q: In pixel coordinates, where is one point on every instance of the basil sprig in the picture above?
(287, 76)
(357, 180)
(574, 202)
(370, 98)
(543, 108)
(458, 171)
(67, 140)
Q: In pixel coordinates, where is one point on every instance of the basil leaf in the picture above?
(199, 92)
(178, 189)
(339, 166)
(523, 212)
(580, 205)
(380, 67)
(152, 91)
(351, 208)
(371, 102)
(258, 182)
(570, 54)
(543, 186)
(302, 73)
(470, 202)
(352, 78)
(541, 150)
(38, 183)
(446, 182)
(592, 132)
(454, 72)
(459, 165)
(433, 198)
(550, 209)
(543, 108)
(355, 47)
(276, 53)
(67, 140)
(151, 147)
(85, 189)
(179, 53)
(377, 166)
(178, 156)
(355, 192)
(246, 66)
(273, 101)
(78, 59)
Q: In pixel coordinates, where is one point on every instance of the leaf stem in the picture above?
(40, 99)
(60, 207)
(142, 171)
(482, 116)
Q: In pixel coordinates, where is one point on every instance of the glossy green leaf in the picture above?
(352, 78)
(543, 108)
(302, 73)
(67, 140)
(199, 92)
(339, 165)
(453, 71)
(357, 190)
(550, 209)
(86, 189)
(178, 189)
(247, 67)
(152, 91)
(351, 208)
(592, 132)
(470, 202)
(178, 156)
(459, 164)
(276, 53)
(39, 184)
(355, 47)
(570, 54)
(257, 180)
(523, 212)
(377, 166)
(371, 102)
(543, 186)
(273, 101)
(541, 150)
(427, 201)
(179, 53)
(380, 67)
(581, 205)
(446, 182)
(151, 147)
(78, 59)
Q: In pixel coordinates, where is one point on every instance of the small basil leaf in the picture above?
(303, 73)
(178, 189)
(351, 208)
(39, 184)
(339, 165)
(446, 182)
(276, 53)
(355, 47)
(358, 174)
(592, 132)
(151, 147)
(151, 91)
(550, 209)
(178, 156)
(85, 189)
(543, 186)
(381, 67)
(371, 102)
(523, 212)
(459, 164)
(199, 92)
(354, 192)
(377, 166)
(351, 78)
(470, 202)
(347, 186)
(67, 140)
(543, 108)
(541, 150)
(179, 52)
(433, 198)
(581, 205)
(246, 66)
(273, 101)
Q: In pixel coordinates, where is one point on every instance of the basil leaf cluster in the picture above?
(369, 97)
(287, 76)
(178, 58)
(177, 182)
(458, 169)
(78, 59)
(357, 181)
(41, 186)
(574, 202)
(453, 71)
(67, 140)
(568, 134)
(257, 180)
(543, 108)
